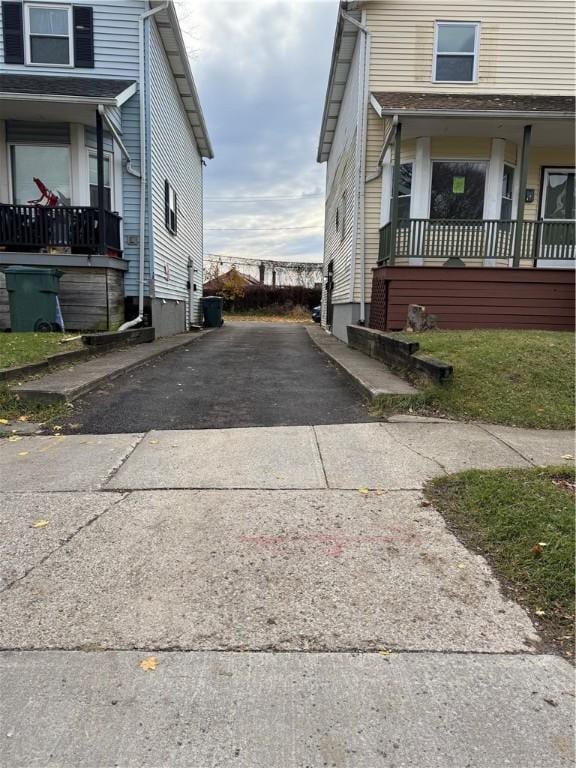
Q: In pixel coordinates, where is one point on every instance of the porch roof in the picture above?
(477, 104)
(84, 90)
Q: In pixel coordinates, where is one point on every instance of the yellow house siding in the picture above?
(526, 46)
(460, 148)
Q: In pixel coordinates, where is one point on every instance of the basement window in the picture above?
(456, 52)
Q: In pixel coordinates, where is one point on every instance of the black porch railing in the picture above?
(34, 228)
(476, 239)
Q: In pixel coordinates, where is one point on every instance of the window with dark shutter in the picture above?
(13, 33)
(83, 36)
(170, 208)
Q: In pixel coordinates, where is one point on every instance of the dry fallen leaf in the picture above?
(363, 490)
(567, 456)
(14, 439)
(23, 453)
(4, 421)
(154, 442)
(537, 550)
(150, 663)
(384, 652)
(40, 523)
(56, 428)
(23, 418)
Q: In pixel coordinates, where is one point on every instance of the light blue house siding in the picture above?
(173, 262)
(115, 43)
(174, 157)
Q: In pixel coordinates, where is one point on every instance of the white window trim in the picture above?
(476, 25)
(35, 144)
(27, 34)
(110, 157)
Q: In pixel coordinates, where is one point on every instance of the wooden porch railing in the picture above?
(475, 239)
(32, 227)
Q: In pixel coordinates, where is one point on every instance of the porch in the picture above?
(72, 229)
(61, 190)
(462, 242)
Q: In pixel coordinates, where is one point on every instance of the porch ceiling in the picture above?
(544, 132)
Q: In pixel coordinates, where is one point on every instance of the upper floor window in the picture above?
(48, 35)
(456, 52)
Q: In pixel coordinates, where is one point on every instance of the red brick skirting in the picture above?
(475, 297)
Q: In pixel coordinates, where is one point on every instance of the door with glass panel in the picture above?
(557, 211)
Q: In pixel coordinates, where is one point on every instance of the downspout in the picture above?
(359, 214)
(143, 180)
(118, 140)
(387, 142)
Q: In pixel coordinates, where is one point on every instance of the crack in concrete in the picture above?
(320, 457)
(409, 447)
(112, 473)
(511, 447)
(123, 495)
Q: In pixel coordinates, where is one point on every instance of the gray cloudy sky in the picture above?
(261, 68)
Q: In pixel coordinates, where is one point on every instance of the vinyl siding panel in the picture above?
(115, 42)
(173, 156)
(341, 179)
(526, 46)
(131, 199)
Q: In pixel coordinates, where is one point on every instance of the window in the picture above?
(457, 190)
(405, 192)
(507, 188)
(93, 169)
(558, 193)
(343, 217)
(35, 167)
(456, 52)
(48, 35)
(170, 208)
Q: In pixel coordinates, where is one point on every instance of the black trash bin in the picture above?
(212, 308)
(33, 294)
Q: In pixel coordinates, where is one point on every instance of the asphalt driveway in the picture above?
(242, 375)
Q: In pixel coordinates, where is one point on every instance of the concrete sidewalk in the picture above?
(303, 607)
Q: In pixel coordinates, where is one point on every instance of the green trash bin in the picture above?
(212, 307)
(33, 294)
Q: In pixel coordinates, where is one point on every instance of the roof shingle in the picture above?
(421, 102)
(49, 85)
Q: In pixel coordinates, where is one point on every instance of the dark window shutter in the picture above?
(175, 227)
(167, 203)
(13, 29)
(83, 36)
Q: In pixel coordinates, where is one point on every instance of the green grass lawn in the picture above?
(21, 348)
(520, 378)
(522, 520)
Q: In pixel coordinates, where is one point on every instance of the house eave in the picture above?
(175, 49)
(333, 98)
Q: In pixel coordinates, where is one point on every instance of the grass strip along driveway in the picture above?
(20, 349)
(522, 521)
(519, 378)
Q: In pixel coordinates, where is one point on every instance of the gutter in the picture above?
(143, 180)
(362, 123)
(477, 114)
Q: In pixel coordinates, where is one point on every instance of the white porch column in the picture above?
(421, 189)
(493, 194)
(386, 193)
(80, 180)
(4, 186)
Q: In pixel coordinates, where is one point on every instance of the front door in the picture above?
(557, 211)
